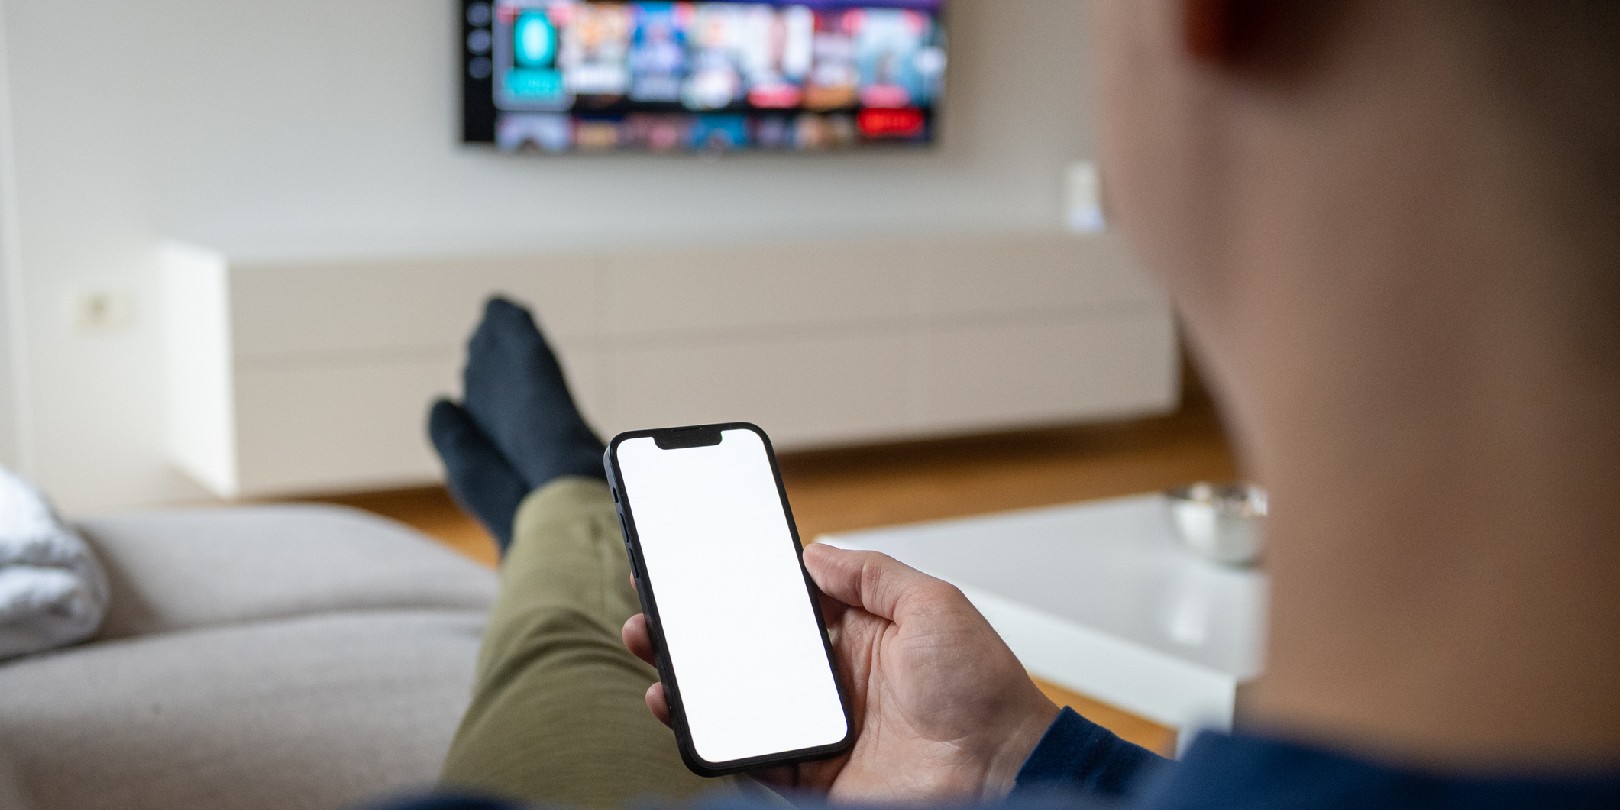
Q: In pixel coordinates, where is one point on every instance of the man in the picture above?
(1393, 230)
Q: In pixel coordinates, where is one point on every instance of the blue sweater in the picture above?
(1078, 764)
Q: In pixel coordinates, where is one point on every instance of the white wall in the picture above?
(10, 322)
(306, 127)
(8, 405)
(9, 457)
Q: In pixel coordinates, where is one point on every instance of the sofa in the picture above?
(253, 657)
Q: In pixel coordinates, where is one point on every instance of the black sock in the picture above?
(518, 397)
(480, 479)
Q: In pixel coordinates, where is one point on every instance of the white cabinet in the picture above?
(297, 375)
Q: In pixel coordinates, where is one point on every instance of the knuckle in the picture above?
(940, 591)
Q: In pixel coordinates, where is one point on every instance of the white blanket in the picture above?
(52, 589)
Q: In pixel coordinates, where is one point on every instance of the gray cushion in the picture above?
(316, 712)
(11, 795)
(183, 569)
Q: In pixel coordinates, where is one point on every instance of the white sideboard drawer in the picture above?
(1050, 370)
(337, 307)
(802, 390)
(739, 289)
(312, 428)
(1008, 275)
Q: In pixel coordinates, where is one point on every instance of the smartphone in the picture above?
(735, 620)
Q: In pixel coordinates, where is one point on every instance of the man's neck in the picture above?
(1446, 523)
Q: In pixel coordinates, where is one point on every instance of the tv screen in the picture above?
(799, 75)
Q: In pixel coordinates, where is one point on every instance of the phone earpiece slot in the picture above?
(681, 438)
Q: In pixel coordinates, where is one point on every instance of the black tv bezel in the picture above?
(479, 113)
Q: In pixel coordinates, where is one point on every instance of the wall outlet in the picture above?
(102, 311)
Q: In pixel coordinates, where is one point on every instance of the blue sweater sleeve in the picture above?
(1080, 756)
(1075, 757)
(1078, 764)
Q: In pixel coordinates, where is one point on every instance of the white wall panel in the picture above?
(345, 425)
(779, 287)
(1049, 370)
(8, 409)
(801, 390)
(360, 306)
(9, 427)
(1026, 273)
(308, 428)
(11, 326)
(10, 332)
(201, 429)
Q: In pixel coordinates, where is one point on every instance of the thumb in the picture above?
(874, 582)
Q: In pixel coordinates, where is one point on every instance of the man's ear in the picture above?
(1222, 33)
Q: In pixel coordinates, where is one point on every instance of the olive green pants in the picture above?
(557, 714)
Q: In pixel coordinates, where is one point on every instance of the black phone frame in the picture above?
(683, 437)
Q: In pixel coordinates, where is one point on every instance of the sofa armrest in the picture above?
(184, 569)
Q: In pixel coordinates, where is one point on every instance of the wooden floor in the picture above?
(841, 490)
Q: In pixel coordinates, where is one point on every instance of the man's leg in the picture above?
(557, 714)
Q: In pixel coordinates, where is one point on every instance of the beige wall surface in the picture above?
(8, 405)
(326, 130)
(8, 394)
(10, 322)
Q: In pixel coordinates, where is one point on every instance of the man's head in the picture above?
(1393, 227)
(1293, 167)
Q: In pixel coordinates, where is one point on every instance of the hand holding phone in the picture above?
(942, 708)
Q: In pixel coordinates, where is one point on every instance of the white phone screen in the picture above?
(739, 628)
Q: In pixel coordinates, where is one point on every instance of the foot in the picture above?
(480, 478)
(517, 396)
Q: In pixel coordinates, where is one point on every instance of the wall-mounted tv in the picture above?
(790, 75)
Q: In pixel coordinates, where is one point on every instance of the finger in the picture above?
(636, 638)
(832, 610)
(658, 703)
(874, 582)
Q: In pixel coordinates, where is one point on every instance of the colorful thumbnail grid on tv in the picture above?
(810, 74)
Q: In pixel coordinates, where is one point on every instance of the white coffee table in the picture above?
(1101, 599)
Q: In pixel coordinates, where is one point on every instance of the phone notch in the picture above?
(688, 437)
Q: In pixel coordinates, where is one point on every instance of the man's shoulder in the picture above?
(1270, 772)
